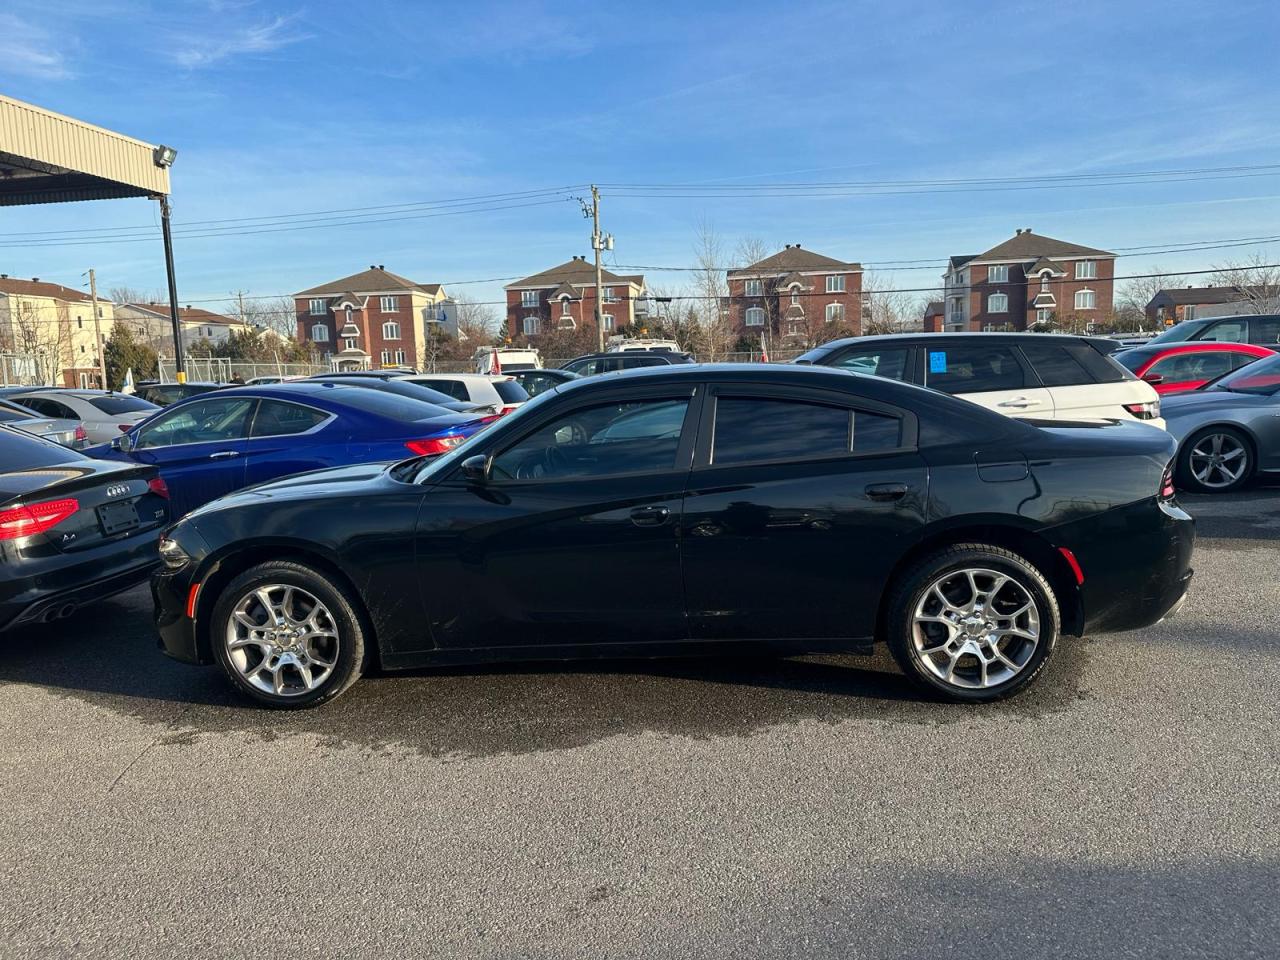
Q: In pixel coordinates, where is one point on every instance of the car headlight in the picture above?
(172, 554)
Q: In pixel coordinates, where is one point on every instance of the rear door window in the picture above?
(1265, 331)
(275, 418)
(1230, 331)
(973, 368)
(1193, 366)
(201, 421)
(48, 408)
(764, 429)
(454, 388)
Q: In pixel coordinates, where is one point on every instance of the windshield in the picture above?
(1261, 377)
(1131, 360)
(1179, 332)
(114, 406)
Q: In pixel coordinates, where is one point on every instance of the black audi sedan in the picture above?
(72, 530)
(685, 509)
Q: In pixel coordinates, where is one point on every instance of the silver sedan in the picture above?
(105, 415)
(68, 433)
(1229, 430)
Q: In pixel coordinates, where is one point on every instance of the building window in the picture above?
(998, 273)
(528, 298)
(1086, 269)
(795, 295)
(1044, 315)
(998, 303)
(350, 342)
(391, 330)
(399, 358)
(1044, 283)
(564, 306)
(79, 323)
(82, 348)
(386, 358)
(755, 317)
(755, 288)
(99, 313)
(835, 284)
(608, 321)
(608, 295)
(390, 304)
(318, 308)
(835, 313)
(530, 326)
(320, 333)
(1085, 300)
(1188, 312)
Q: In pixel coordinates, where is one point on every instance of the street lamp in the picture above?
(164, 156)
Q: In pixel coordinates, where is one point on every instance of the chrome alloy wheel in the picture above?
(282, 640)
(1218, 460)
(975, 628)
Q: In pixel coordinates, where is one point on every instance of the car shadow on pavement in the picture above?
(107, 656)
(1252, 513)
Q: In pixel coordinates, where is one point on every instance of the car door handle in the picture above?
(886, 491)
(650, 516)
(1019, 402)
(224, 454)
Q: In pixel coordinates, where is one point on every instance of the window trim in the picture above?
(1092, 293)
(1091, 273)
(1003, 297)
(530, 299)
(324, 307)
(998, 273)
(839, 317)
(389, 336)
(329, 417)
(527, 321)
(908, 440)
(395, 303)
(684, 451)
(753, 287)
(751, 312)
(835, 283)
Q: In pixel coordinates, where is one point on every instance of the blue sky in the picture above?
(286, 108)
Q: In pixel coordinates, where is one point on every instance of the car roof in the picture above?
(993, 336)
(1195, 346)
(783, 374)
(486, 377)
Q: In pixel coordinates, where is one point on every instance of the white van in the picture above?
(1037, 375)
(621, 345)
(509, 358)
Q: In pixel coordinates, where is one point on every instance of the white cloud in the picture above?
(28, 51)
(201, 51)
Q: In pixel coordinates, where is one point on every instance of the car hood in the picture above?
(314, 485)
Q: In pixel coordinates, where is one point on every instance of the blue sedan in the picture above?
(209, 445)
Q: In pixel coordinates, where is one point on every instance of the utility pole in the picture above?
(599, 242)
(97, 330)
(179, 362)
(240, 298)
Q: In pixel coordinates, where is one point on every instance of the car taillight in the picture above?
(157, 486)
(125, 427)
(1166, 483)
(485, 421)
(35, 518)
(434, 445)
(80, 434)
(1144, 411)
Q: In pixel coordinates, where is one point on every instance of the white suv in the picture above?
(1040, 375)
(501, 394)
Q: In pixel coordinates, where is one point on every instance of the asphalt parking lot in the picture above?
(1125, 807)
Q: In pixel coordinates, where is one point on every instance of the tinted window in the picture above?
(456, 389)
(888, 362)
(385, 404)
(114, 406)
(750, 429)
(1131, 360)
(536, 383)
(584, 368)
(601, 441)
(1056, 365)
(973, 368)
(201, 421)
(510, 391)
(9, 415)
(1266, 331)
(275, 418)
(1260, 377)
(21, 451)
(1231, 331)
(19, 409)
(47, 408)
(1186, 330)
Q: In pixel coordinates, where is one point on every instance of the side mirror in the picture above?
(123, 443)
(476, 469)
(1153, 378)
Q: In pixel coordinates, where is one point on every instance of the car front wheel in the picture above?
(288, 636)
(973, 622)
(1216, 460)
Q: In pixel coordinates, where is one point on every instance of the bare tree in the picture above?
(1129, 312)
(41, 335)
(888, 310)
(268, 313)
(711, 287)
(478, 323)
(1257, 282)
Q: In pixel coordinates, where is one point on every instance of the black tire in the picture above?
(1187, 479)
(343, 612)
(921, 577)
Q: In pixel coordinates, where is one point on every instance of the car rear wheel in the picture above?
(288, 636)
(1215, 460)
(973, 622)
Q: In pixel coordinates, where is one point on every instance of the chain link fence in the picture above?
(222, 370)
(19, 371)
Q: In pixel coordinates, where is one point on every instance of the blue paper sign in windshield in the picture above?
(937, 361)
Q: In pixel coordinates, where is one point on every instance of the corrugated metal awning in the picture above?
(48, 158)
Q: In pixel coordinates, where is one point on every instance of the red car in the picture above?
(1176, 367)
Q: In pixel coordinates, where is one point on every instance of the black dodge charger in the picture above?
(692, 508)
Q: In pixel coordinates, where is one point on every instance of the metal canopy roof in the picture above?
(48, 158)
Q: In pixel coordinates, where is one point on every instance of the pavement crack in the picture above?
(155, 741)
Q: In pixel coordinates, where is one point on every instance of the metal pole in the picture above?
(179, 364)
(97, 330)
(597, 243)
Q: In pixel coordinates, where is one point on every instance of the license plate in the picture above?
(115, 517)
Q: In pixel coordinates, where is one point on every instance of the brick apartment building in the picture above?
(796, 295)
(1028, 279)
(935, 312)
(47, 333)
(1174, 305)
(372, 319)
(564, 298)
